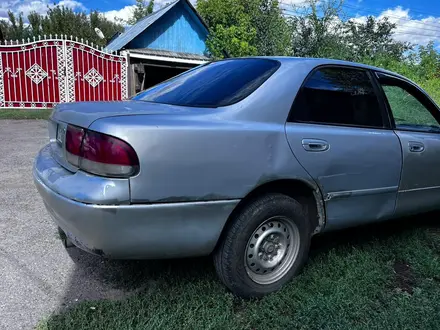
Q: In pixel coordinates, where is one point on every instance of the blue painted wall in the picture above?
(178, 30)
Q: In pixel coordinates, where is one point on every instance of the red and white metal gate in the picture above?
(43, 73)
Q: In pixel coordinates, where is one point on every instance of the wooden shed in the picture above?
(163, 44)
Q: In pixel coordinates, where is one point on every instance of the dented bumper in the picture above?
(121, 230)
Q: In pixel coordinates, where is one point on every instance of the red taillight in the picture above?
(106, 155)
(99, 153)
(74, 138)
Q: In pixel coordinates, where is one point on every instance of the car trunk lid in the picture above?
(83, 114)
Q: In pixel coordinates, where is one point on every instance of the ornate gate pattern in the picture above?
(43, 73)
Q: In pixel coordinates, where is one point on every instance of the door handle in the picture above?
(315, 145)
(416, 146)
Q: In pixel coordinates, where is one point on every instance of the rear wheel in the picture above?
(265, 245)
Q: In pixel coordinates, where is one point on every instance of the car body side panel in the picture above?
(358, 175)
(224, 153)
(196, 159)
(420, 185)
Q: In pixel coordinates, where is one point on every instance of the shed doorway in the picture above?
(147, 70)
(156, 74)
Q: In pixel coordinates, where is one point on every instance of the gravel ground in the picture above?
(37, 275)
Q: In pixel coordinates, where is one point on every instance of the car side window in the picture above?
(338, 96)
(408, 111)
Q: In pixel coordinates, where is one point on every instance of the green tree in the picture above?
(14, 28)
(64, 21)
(377, 34)
(319, 29)
(108, 28)
(4, 30)
(429, 61)
(231, 28)
(142, 8)
(17, 25)
(35, 21)
(273, 37)
(316, 29)
(245, 27)
(60, 20)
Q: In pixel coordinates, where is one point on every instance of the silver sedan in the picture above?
(246, 159)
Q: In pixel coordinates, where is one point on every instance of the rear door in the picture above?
(417, 123)
(340, 132)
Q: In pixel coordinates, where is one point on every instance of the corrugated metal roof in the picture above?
(167, 53)
(132, 32)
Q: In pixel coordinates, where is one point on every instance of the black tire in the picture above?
(229, 256)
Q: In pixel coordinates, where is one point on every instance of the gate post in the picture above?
(125, 75)
(70, 74)
(61, 45)
(2, 92)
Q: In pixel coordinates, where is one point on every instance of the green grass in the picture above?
(379, 277)
(25, 113)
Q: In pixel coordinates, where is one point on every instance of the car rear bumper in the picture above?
(168, 230)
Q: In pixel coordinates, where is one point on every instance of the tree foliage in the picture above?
(321, 30)
(17, 28)
(245, 27)
(272, 29)
(60, 20)
(316, 29)
(377, 34)
(231, 27)
(142, 8)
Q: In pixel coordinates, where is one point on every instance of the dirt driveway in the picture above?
(37, 275)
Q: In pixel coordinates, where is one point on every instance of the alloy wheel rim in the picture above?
(272, 250)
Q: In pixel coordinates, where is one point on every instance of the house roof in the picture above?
(133, 31)
(170, 54)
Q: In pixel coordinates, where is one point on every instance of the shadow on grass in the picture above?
(377, 231)
(381, 276)
(118, 279)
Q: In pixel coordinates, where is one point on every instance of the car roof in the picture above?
(315, 62)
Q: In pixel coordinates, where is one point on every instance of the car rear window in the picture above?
(212, 85)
